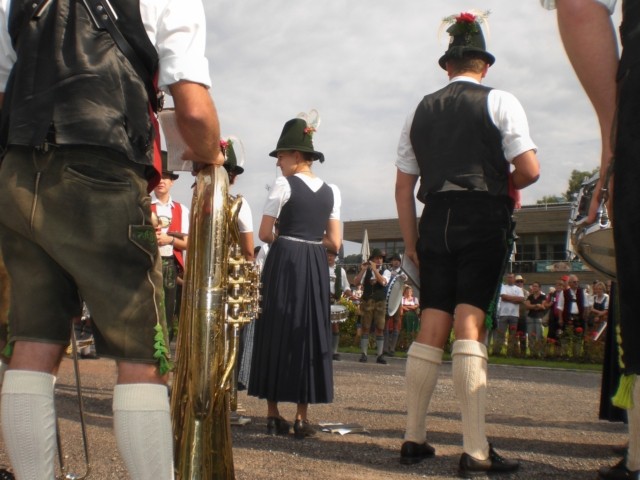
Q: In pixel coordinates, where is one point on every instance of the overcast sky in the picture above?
(364, 64)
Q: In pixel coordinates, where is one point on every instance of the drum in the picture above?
(394, 294)
(339, 313)
(593, 243)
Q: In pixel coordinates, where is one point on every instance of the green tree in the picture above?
(550, 199)
(576, 179)
(575, 182)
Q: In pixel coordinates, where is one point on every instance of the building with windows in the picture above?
(543, 249)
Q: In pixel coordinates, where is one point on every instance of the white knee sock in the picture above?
(29, 423)
(142, 426)
(364, 344)
(470, 384)
(423, 362)
(633, 414)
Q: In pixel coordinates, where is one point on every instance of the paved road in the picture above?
(546, 418)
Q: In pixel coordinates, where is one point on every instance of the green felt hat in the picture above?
(297, 135)
(465, 37)
(230, 157)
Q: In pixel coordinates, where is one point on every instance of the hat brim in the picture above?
(316, 155)
(171, 175)
(486, 56)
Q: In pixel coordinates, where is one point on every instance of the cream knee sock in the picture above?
(470, 385)
(423, 362)
(142, 425)
(29, 423)
(633, 457)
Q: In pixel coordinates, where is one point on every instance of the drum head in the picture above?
(394, 296)
(597, 250)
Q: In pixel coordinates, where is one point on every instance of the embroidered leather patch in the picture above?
(145, 237)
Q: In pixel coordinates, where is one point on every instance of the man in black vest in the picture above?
(78, 136)
(471, 149)
(374, 278)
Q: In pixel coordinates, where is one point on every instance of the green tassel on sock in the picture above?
(161, 353)
(624, 396)
(7, 351)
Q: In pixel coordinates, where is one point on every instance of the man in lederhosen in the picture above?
(462, 142)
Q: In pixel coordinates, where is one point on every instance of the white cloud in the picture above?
(363, 64)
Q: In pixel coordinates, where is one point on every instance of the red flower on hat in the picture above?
(309, 130)
(466, 17)
(223, 144)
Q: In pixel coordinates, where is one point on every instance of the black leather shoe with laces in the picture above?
(381, 360)
(618, 472)
(277, 426)
(471, 467)
(412, 452)
(302, 429)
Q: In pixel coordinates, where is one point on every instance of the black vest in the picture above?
(71, 85)
(455, 140)
(376, 291)
(629, 36)
(306, 212)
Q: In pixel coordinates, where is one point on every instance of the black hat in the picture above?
(376, 252)
(395, 256)
(466, 38)
(165, 172)
(297, 135)
(230, 158)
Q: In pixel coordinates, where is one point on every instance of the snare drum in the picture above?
(593, 243)
(339, 313)
(394, 294)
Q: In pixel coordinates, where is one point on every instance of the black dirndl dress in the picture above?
(292, 350)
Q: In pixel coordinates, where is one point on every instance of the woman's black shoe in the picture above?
(302, 428)
(277, 426)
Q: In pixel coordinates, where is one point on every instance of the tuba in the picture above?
(220, 294)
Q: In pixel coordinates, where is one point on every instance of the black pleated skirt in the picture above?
(292, 353)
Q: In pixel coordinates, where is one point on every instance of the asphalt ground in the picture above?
(547, 418)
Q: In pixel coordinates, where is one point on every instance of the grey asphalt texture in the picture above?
(546, 418)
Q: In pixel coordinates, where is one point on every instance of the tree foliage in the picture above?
(576, 179)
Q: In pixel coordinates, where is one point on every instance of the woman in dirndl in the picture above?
(292, 353)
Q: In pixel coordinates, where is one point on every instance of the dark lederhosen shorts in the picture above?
(462, 248)
(76, 222)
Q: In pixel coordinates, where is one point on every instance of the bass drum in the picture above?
(593, 242)
(394, 295)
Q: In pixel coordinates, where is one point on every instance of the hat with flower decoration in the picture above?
(465, 37)
(297, 135)
(232, 163)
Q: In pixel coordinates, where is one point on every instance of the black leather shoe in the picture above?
(471, 467)
(336, 357)
(381, 360)
(277, 426)
(363, 358)
(412, 452)
(618, 472)
(302, 428)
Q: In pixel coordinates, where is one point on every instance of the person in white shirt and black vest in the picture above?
(471, 149)
(339, 287)
(374, 278)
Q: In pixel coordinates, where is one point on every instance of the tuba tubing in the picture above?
(199, 404)
(221, 292)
